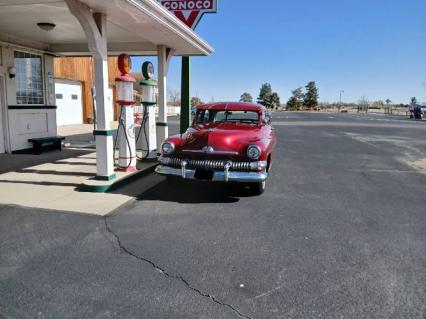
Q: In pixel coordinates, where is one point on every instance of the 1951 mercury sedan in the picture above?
(228, 142)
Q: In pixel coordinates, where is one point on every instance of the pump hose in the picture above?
(143, 127)
(121, 124)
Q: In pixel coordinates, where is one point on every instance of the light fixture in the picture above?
(12, 72)
(46, 26)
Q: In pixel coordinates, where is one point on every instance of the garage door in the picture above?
(69, 102)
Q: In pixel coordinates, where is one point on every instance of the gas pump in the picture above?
(126, 126)
(148, 144)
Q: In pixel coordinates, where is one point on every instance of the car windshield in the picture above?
(217, 116)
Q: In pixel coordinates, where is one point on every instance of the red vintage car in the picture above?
(228, 142)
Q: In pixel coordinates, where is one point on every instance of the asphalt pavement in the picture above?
(339, 233)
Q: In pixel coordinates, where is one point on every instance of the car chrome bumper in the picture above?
(218, 176)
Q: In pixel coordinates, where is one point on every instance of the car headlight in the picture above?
(167, 148)
(254, 152)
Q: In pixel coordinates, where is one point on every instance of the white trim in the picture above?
(4, 113)
(10, 45)
(43, 75)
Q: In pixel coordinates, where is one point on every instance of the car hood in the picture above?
(221, 137)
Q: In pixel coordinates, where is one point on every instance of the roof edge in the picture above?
(157, 11)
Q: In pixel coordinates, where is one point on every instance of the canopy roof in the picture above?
(133, 26)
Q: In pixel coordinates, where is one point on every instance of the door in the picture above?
(2, 116)
(69, 102)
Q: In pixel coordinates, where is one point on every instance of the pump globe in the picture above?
(125, 93)
(149, 92)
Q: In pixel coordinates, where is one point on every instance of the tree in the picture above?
(246, 97)
(195, 101)
(413, 101)
(377, 105)
(174, 97)
(296, 100)
(275, 100)
(310, 99)
(388, 101)
(265, 95)
(363, 104)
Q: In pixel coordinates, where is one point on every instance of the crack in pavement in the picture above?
(168, 275)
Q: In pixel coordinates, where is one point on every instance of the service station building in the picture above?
(34, 32)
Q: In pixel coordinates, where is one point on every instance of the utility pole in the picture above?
(340, 100)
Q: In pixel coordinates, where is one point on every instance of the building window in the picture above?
(59, 96)
(74, 96)
(29, 78)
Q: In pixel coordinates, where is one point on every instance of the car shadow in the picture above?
(195, 193)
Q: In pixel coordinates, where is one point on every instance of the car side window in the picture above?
(203, 117)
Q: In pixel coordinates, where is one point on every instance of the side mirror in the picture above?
(267, 119)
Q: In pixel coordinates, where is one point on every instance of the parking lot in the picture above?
(339, 233)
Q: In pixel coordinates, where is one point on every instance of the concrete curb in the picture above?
(95, 186)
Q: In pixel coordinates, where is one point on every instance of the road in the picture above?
(339, 233)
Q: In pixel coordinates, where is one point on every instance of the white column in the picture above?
(103, 134)
(94, 26)
(162, 128)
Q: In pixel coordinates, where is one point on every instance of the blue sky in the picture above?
(375, 48)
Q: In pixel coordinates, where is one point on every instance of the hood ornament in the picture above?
(208, 149)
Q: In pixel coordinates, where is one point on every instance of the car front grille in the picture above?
(210, 164)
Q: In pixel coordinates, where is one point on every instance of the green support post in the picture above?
(185, 114)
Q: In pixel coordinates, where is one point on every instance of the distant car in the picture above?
(423, 110)
(228, 142)
(416, 112)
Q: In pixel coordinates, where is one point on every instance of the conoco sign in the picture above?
(190, 11)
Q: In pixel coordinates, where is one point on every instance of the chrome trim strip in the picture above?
(214, 152)
(219, 176)
(213, 164)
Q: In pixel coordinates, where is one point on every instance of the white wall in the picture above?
(38, 121)
(25, 124)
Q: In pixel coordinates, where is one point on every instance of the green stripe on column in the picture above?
(103, 132)
(106, 178)
(162, 124)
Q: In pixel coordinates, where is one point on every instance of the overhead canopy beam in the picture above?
(81, 49)
(94, 26)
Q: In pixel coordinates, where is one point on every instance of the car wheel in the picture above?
(258, 188)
